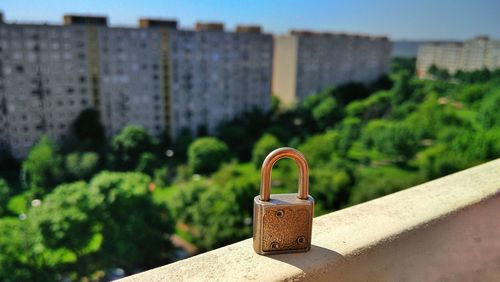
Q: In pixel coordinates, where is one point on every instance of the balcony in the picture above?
(447, 230)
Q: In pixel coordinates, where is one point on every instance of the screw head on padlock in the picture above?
(282, 223)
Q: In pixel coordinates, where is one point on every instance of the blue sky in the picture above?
(422, 19)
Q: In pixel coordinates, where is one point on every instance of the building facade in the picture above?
(157, 76)
(307, 62)
(474, 54)
(44, 82)
(217, 75)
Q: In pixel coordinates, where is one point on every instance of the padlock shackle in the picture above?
(267, 167)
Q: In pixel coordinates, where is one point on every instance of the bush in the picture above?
(206, 154)
(129, 145)
(41, 170)
(81, 166)
(263, 147)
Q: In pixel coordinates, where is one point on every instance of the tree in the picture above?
(147, 163)
(42, 168)
(263, 147)
(488, 110)
(135, 229)
(4, 196)
(81, 166)
(438, 73)
(275, 103)
(9, 166)
(403, 88)
(331, 184)
(319, 149)
(397, 140)
(67, 217)
(20, 252)
(350, 130)
(206, 154)
(89, 130)
(403, 64)
(327, 112)
(128, 146)
(218, 212)
(378, 105)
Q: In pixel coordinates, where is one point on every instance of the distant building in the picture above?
(217, 75)
(156, 76)
(405, 48)
(474, 54)
(44, 82)
(307, 62)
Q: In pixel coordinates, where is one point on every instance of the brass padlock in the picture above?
(282, 223)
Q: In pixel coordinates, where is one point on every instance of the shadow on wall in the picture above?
(307, 262)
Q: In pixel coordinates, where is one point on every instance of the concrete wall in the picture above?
(444, 230)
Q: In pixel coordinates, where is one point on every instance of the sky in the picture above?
(398, 19)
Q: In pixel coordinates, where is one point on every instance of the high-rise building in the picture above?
(307, 62)
(44, 82)
(157, 76)
(217, 75)
(474, 54)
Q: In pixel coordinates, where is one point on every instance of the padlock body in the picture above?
(283, 224)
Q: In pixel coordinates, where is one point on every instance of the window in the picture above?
(19, 69)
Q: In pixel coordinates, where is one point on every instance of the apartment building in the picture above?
(218, 75)
(474, 54)
(157, 76)
(307, 62)
(44, 82)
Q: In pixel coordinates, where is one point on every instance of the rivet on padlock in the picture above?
(283, 222)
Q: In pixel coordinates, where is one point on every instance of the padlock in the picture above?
(282, 223)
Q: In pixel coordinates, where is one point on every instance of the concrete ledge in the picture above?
(446, 229)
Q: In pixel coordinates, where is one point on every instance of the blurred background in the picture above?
(132, 133)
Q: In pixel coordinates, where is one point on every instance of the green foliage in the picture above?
(481, 76)
(41, 170)
(263, 147)
(403, 64)
(428, 128)
(20, 254)
(162, 176)
(319, 149)
(350, 131)
(88, 129)
(218, 213)
(67, 217)
(327, 113)
(147, 163)
(397, 140)
(331, 184)
(488, 109)
(438, 73)
(206, 154)
(403, 87)
(129, 218)
(379, 181)
(377, 105)
(4, 196)
(275, 103)
(129, 145)
(81, 166)
(9, 166)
